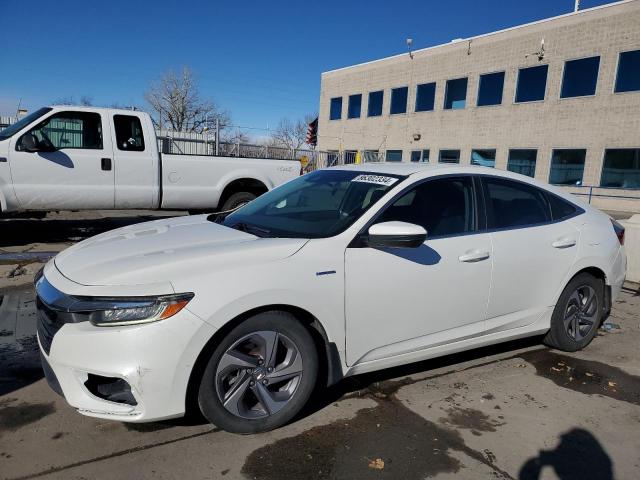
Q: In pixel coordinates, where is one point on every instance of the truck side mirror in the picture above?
(29, 142)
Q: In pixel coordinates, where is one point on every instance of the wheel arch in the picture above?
(244, 184)
(330, 362)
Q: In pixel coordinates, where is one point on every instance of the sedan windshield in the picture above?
(320, 204)
(19, 125)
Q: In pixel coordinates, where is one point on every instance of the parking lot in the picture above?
(517, 410)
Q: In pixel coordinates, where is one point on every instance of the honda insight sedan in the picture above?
(338, 272)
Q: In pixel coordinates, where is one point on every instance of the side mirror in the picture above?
(396, 235)
(30, 142)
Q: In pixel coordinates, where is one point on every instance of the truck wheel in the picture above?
(237, 200)
(576, 317)
(260, 375)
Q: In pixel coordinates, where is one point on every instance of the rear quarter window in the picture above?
(560, 208)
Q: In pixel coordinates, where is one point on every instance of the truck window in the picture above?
(129, 133)
(80, 130)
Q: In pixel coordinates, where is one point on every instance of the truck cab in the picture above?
(75, 158)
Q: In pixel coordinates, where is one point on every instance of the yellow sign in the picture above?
(304, 161)
(358, 157)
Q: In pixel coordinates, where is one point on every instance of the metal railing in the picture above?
(593, 191)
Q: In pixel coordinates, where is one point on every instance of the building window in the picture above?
(371, 156)
(399, 100)
(449, 156)
(394, 156)
(455, 96)
(375, 103)
(333, 158)
(425, 97)
(532, 83)
(420, 156)
(567, 166)
(355, 104)
(628, 77)
(335, 112)
(522, 161)
(621, 168)
(490, 89)
(350, 156)
(484, 157)
(580, 77)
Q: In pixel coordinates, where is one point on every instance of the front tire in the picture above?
(577, 315)
(260, 375)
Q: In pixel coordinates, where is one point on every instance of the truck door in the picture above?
(136, 162)
(72, 168)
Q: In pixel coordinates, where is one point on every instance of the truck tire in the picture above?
(237, 200)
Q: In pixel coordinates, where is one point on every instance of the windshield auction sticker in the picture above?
(377, 179)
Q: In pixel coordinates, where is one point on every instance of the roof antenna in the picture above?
(409, 43)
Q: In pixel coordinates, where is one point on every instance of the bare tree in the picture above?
(85, 101)
(291, 133)
(177, 103)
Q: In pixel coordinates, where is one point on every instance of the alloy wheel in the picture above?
(259, 374)
(581, 312)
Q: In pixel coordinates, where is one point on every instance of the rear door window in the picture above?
(512, 204)
(129, 134)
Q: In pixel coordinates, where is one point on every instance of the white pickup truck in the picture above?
(81, 158)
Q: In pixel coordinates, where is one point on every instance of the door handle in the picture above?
(564, 243)
(105, 163)
(474, 256)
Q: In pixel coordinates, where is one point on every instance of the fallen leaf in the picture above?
(556, 369)
(588, 374)
(612, 384)
(377, 464)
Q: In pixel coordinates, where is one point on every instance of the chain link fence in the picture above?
(186, 143)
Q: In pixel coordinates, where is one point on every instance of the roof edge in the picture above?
(483, 35)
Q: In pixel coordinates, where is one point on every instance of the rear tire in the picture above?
(237, 200)
(260, 375)
(577, 315)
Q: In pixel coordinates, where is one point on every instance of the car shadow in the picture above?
(324, 396)
(25, 231)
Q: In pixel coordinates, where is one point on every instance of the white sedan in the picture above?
(338, 272)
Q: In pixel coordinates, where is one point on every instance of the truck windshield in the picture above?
(23, 122)
(320, 204)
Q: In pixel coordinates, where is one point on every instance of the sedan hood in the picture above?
(163, 250)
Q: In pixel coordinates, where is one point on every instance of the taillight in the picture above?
(619, 229)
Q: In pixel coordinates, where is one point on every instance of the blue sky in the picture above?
(259, 60)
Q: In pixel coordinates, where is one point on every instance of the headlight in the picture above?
(113, 312)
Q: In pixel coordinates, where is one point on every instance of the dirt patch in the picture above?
(471, 419)
(585, 376)
(14, 416)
